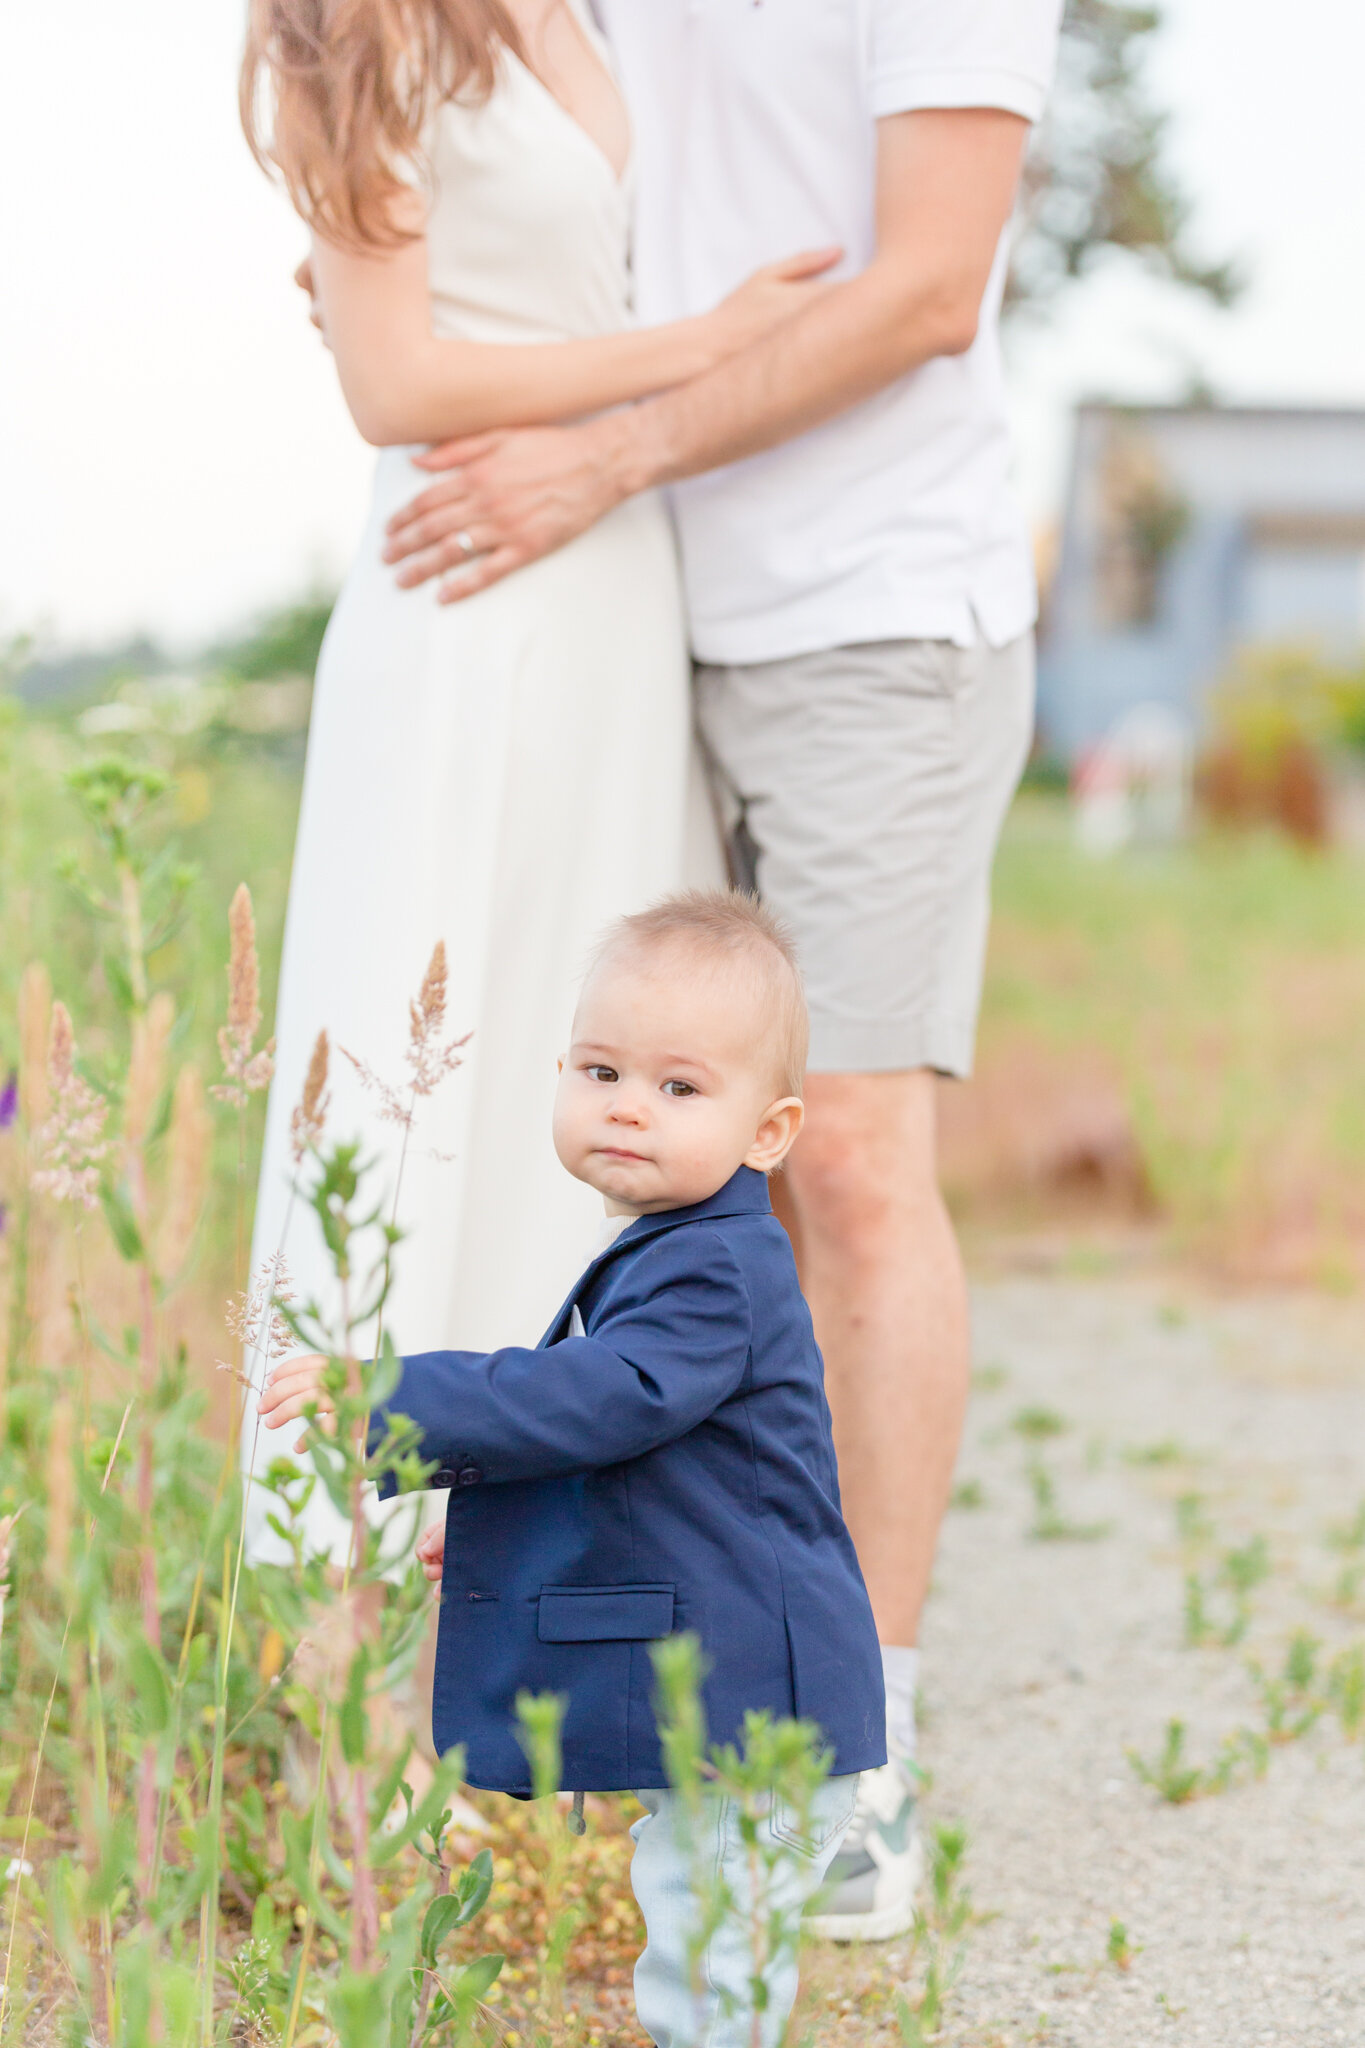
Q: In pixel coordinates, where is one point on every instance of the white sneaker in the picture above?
(870, 1890)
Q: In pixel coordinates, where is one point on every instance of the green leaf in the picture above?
(352, 1721)
(477, 1979)
(441, 1919)
(150, 1682)
(123, 1228)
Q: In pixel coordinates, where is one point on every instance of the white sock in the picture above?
(900, 1669)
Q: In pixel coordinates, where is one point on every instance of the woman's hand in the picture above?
(768, 298)
(292, 1387)
(431, 1551)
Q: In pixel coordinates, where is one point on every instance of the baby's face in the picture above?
(667, 1088)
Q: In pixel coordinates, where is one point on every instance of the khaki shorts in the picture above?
(861, 792)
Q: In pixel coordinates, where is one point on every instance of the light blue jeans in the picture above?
(669, 1857)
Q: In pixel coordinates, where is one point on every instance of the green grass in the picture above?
(1222, 982)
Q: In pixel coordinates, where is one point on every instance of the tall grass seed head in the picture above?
(246, 1070)
(71, 1144)
(310, 1112)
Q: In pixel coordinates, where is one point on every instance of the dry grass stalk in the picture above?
(254, 1320)
(35, 1021)
(429, 1058)
(70, 1143)
(147, 1069)
(310, 1114)
(191, 1136)
(247, 1071)
(61, 1493)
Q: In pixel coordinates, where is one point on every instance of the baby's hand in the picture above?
(292, 1387)
(431, 1551)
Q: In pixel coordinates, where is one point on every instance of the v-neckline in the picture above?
(618, 178)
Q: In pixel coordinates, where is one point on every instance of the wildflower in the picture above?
(310, 1114)
(247, 1071)
(9, 1101)
(428, 1058)
(70, 1145)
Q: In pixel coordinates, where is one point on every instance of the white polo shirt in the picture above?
(755, 135)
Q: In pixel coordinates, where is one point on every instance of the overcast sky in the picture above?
(173, 452)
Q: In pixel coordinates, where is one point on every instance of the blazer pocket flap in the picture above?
(604, 1614)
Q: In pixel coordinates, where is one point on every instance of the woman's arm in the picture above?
(404, 383)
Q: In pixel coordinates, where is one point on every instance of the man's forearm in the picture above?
(854, 341)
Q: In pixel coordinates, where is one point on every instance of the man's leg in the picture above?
(863, 789)
(881, 1271)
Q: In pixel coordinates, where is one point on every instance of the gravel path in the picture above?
(1190, 1429)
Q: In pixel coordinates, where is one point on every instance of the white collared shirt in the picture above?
(755, 127)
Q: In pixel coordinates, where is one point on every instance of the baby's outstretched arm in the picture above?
(293, 1386)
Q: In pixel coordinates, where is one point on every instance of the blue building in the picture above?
(1190, 532)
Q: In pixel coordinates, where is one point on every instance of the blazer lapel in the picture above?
(746, 1192)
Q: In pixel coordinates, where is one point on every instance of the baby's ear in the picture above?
(778, 1130)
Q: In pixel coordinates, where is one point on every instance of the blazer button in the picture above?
(443, 1476)
(469, 1475)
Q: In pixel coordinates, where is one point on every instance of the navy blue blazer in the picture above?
(671, 1468)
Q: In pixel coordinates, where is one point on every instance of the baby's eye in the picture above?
(679, 1088)
(602, 1073)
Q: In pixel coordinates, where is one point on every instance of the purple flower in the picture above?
(4, 1219)
(9, 1102)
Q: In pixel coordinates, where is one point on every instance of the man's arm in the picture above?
(946, 181)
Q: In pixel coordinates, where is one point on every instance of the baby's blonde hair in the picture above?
(729, 929)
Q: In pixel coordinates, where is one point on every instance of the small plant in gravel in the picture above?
(1192, 1524)
(1119, 1952)
(940, 1931)
(1199, 1629)
(1177, 1779)
(1349, 1539)
(1049, 1524)
(1168, 1451)
(1346, 1690)
(1036, 1424)
(1289, 1701)
(1232, 1584)
(989, 1379)
(968, 1493)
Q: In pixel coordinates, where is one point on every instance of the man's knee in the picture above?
(865, 1158)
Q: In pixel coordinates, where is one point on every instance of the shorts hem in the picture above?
(843, 1045)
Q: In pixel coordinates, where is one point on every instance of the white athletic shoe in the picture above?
(869, 1893)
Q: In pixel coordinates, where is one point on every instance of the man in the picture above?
(861, 603)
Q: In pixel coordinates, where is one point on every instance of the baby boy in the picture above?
(663, 1459)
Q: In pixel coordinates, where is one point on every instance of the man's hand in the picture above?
(502, 500)
(431, 1551)
(291, 1388)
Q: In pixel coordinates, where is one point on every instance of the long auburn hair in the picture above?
(334, 95)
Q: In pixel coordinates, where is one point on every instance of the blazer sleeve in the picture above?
(669, 1347)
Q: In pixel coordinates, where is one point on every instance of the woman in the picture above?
(510, 773)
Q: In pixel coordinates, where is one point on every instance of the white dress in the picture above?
(506, 774)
